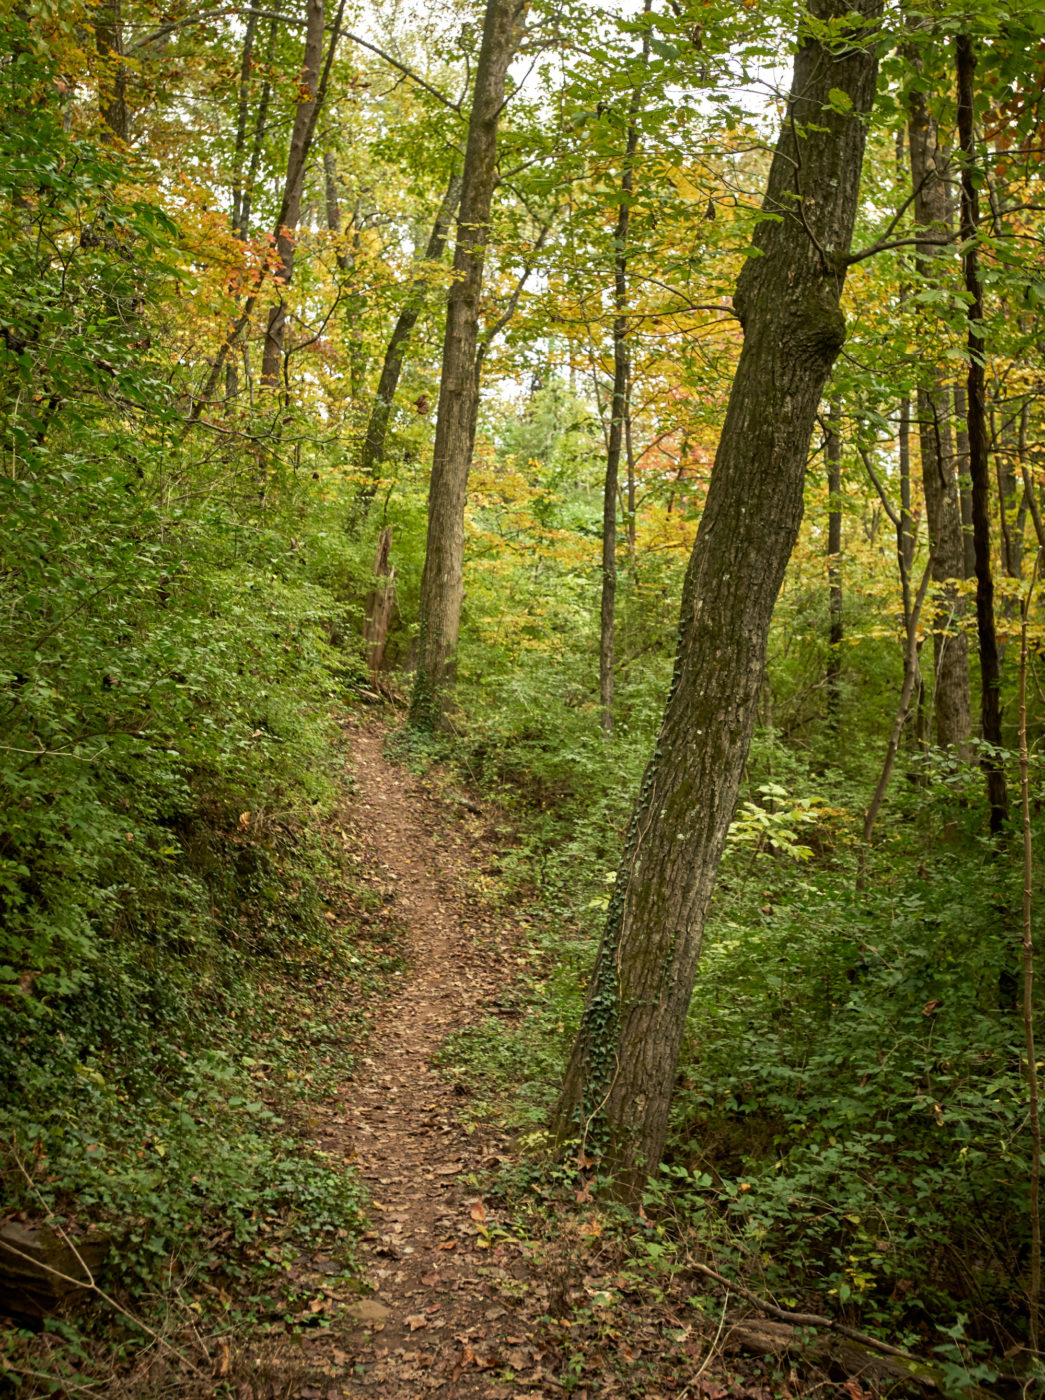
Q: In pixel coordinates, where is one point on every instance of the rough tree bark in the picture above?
(932, 212)
(290, 210)
(618, 1085)
(979, 452)
(442, 581)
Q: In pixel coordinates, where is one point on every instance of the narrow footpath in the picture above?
(464, 1302)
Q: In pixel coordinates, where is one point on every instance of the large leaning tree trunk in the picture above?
(618, 1086)
(932, 213)
(442, 582)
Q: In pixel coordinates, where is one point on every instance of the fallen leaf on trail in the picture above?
(478, 1211)
(416, 1321)
(447, 1244)
(450, 1170)
(430, 1280)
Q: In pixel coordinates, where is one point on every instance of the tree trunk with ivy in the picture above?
(618, 1086)
(442, 581)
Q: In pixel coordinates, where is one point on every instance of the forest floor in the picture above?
(481, 1273)
(467, 1299)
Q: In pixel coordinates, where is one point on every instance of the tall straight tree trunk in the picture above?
(835, 631)
(979, 452)
(932, 212)
(290, 210)
(618, 409)
(618, 1086)
(373, 451)
(442, 581)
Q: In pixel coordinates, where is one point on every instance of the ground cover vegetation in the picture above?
(231, 241)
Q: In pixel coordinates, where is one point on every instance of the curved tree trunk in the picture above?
(442, 582)
(619, 1081)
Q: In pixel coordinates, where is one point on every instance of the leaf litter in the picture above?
(464, 1302)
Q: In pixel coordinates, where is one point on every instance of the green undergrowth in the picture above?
(849, 1127)
(183, 975)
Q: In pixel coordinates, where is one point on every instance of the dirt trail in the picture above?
(437, 1319)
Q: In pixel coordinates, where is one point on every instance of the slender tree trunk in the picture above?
(372, 455)
(961, 436)
(912, 608)
(342, 257)
(979, 455)
(1030, 1051)
(442, 581)
(942, 504)
(355, 300)
(907, 555)
(618, 1086)
(246, 197)
(835, 631)
(911, 679)
(1012, 510)
(629, 453)
(290, 210)
(239, 156)
(618, 410)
